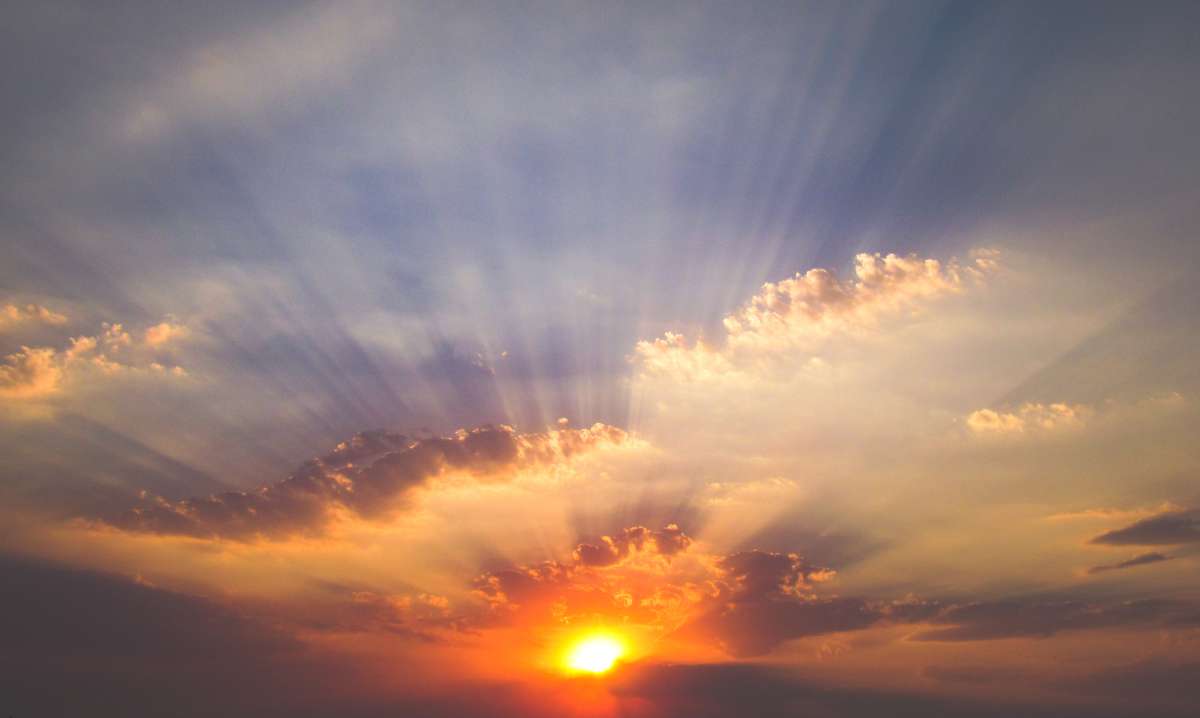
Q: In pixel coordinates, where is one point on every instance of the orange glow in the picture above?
(595, 653)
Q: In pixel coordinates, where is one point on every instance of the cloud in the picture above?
(750, 627)
(748, 603)
(164, 332)
(984, 621)
(793, 313)
(30, 373)
(723, 689)
(370, 477)
(1166, 529)
(262, 70)
(973, 675)
(745, 603)
(1139, 560)
(100, 634)
(1027, 418)
(339, 608)
(38, 372)
(666, 542)
(626, 574)
(1156, 682)
(1038, 418)
(12, 315)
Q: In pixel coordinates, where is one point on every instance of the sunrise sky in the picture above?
(599, 359)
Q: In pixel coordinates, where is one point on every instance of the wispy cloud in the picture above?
(1139, 560)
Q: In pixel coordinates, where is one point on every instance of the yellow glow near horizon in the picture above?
(594, 654)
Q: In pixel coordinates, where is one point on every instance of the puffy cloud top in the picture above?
(811, 305)
(14, 314)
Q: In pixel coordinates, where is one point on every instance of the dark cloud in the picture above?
(764, 573)
(84, 643)
(767, 598)
(1158, 682)
(1016, 618)
(342, 609)
(1166, 529)
(754, 627)
(364, 444)
(972, 675)
(667, 541)
(739, 689)
(303, 503)
(81, 643)
(1139, 560)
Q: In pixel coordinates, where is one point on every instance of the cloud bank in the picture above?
(1165, 529)
(368, 477)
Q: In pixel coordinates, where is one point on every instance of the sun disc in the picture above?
(594, 654)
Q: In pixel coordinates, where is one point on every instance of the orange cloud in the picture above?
(37, 372)
(1029, 417)
(30, 373)
(164, 332)
(12, 315)
(1037, 418)
(649, 580)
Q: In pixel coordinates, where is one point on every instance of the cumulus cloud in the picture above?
(12, 315)
(37, 372)
(1027, 418)
(1042, 419)
(794, 312)
(30, 373)
(1139, 560)
(1165, 529)
(611, 549)
(369, 476)
(164, 332)
(624, 574)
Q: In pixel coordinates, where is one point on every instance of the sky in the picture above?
(379, 358)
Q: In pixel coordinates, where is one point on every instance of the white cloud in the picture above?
(795, 314)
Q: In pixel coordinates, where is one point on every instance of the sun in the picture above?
(594, 654)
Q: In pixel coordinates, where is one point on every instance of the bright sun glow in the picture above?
(594, 654)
